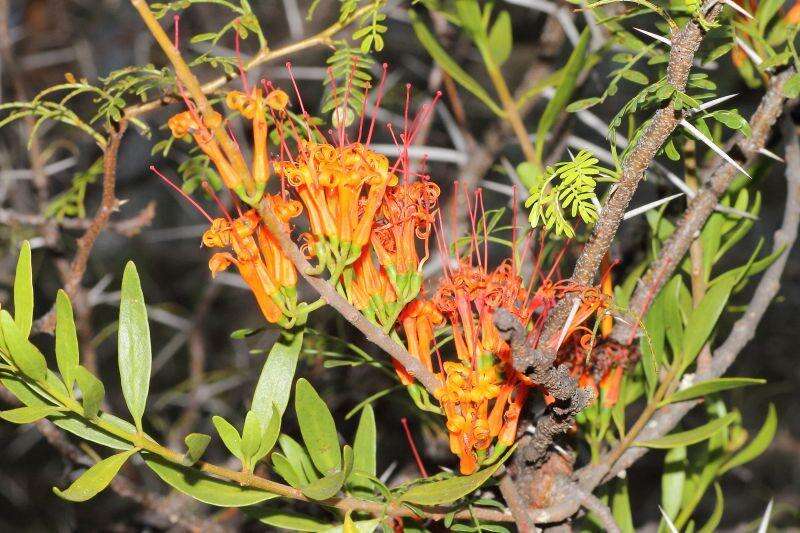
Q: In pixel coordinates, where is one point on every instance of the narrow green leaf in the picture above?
(251, 436)
(203, 487)
(325, 487)
(92, 391)
(621, 506)
(556, 105)
(703, 319)
(23, 291)
(284, 468)
(501, 39)
(67, 354)
(298, 458)
(693, 436)
(758, 445)
(450, 65)
(134, 350)
(269, 435)
(28, 414)
(673, 320)
(450, 490)
(95, 479)
(364, 452)
(710, 386)
(230, 437)
(328, 486)
(673, 480)
(196, 444)
(288, 520)
(317, 427)
(277, 376)
(24, 354)
(716, 514)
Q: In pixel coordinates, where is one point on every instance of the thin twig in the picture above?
(371, 332)
(108, 205)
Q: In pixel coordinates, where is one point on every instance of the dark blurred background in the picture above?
(192, 316)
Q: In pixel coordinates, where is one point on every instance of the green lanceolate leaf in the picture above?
(95, 479)
(621, 506)
(230, 437)
(23, 291)
(317, 427)
(269, 435)
(67, 355)
(298, 458)
(25, 355)
(693, 436)
(564, 91)
(450, 490)
(758, 445)
(364, 452)
(501, 38)
(328, 486)
(288, 520)
(284, 468)
(92, 391)
(703, 319)
(203, 487)
(710, 386)
(673, 481)
(134, 350)
(196, 444)
(275, 383)
(716, 514)
(28, 414)
(251, 436)
(450, 65)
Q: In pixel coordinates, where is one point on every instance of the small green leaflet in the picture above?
(92, 390)
(95, 479)
(134, 350)
(758, 445)
(24, 354)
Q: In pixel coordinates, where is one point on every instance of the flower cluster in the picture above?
(367, 223)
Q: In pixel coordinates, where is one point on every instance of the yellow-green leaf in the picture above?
(92, 391)
(67, 354)
(317, 427)
(24, 354)
(450, 490)
(134, 350)
(196, 444)
(275, 383)
(501, 38)
(556, 105)
(758, 445)
(450, 65)
(711, 386)
(693, 436)
(203, 487)
(23, 291)
(95, 479)
(28, 414)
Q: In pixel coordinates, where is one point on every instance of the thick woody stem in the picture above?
(666, 418)
(702, 205)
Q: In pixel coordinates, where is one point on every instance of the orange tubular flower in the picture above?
(419, 319)
(258, 257)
